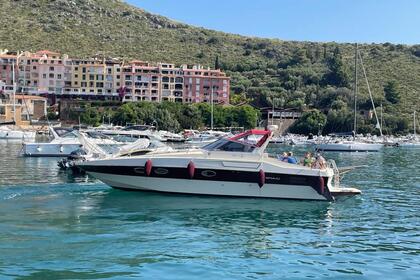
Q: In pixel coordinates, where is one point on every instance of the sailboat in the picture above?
(11, 131)
(355, 145)
(413, 142)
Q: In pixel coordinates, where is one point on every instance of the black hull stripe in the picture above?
(208, 175)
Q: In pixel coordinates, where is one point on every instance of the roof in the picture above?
(31, 97)
(47, 52)
(8, 56)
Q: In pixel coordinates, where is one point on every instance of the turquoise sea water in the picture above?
(54, 226)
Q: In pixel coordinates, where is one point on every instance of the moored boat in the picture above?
(350, 146)
(235, 166)
(64, 142)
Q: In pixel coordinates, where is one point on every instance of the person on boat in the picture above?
(308, 160)
(283, 157)
(291, 159)
(320, 162)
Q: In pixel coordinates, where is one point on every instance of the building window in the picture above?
(59, 76)
(51, 68)
(44, 76)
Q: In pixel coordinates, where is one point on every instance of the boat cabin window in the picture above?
(65, 132)
(229, 146)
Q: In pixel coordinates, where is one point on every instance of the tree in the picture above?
(216, 63)
(90, 116)
(391, 92)
(310, 122)
(247, 116)
(337, 74)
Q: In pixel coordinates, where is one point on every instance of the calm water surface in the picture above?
(54, 226)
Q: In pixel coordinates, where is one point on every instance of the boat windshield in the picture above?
(228, 145)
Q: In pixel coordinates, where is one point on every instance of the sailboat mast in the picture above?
(212, 108)
(370, 94)
(414, 124)
(355, 92)
(14, 92)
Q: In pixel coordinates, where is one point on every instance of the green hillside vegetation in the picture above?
(303, 75)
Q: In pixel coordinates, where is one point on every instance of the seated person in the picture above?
(291, 159)
(308, 160)
(283, 157)
(319, 162)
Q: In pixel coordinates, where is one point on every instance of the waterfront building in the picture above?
(201, 82)
(57, 76)
(27, 107)
(42, 72)
(92, 79)
(140, 82)
(6, 65)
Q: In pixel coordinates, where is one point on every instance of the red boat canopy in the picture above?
(265, 133)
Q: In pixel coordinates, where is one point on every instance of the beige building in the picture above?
(27, 108)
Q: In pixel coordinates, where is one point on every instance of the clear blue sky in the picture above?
(396, 21)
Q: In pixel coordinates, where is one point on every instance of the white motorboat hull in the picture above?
(350, 147)
(216, 188)
(49, 149)
(228, 167)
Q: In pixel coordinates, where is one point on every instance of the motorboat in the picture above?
(64, 142)
(234, 166)
(205, 137)
(167, 136)
(10, 133)
(92, 151)
(132, 133)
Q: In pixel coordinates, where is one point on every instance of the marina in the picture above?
(78, 218)
(223, 140)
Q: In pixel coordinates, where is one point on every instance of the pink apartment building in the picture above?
(50, 73)
(199, 83)
(6, 66)
(140, 81)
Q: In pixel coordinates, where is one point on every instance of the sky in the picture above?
(363, 21)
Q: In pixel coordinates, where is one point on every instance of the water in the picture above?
(54, 226)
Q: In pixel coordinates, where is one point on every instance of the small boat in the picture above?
(9, 133)
(132, 133)
(92, 151)
(349, 146)
(234, 166)
(64, 142)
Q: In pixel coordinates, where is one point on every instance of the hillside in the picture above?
(295, 74)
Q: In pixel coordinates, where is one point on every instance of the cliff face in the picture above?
(260, 68)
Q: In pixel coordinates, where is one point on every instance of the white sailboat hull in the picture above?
(216, 188)
(350, 147)
(410, 145)
(17, 134)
